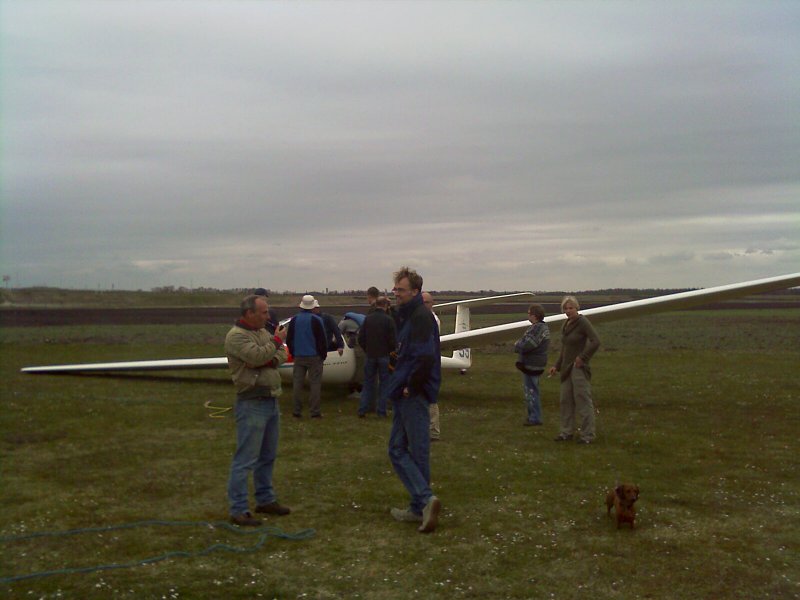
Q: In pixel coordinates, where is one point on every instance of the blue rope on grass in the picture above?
(263, 534)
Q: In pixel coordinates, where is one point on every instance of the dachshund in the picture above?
(622, 498)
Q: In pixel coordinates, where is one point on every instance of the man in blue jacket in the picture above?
(333, 336)
(306, 340)
(413, 387)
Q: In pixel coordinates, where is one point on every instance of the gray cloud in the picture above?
(312, 145)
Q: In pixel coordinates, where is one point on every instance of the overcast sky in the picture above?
(490, 145)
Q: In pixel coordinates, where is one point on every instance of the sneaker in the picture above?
(245, 520)
(531, 423)
(430, 515)
(563, 438)
(319, 416)
(297, 415)
(404, 515)
(273, 508)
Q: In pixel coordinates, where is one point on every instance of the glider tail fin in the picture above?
(462, 357)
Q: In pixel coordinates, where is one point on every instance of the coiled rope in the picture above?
(263, 534)
(216, 412)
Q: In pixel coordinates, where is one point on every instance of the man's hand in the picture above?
(281, 332)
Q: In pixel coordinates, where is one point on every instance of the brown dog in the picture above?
(622, 498)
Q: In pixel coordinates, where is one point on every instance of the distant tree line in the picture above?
(171, 289)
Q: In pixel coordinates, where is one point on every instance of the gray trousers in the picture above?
(433, 410)
(576, 400)
(313, 366)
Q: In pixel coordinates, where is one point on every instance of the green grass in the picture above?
(699, 408)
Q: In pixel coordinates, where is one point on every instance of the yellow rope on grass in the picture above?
(217, 412)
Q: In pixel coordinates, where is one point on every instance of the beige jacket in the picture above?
(253, 359)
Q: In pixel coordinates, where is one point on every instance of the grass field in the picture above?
(701, 409)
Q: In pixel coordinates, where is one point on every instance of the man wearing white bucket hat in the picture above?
(306, 341)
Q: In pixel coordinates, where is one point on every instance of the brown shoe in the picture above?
(245, 520)
(273, 508)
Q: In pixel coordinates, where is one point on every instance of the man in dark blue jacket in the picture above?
(414, 385)
(306, 340)
(333, 336)
(378, 337)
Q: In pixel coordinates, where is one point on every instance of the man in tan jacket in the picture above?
(253, 358)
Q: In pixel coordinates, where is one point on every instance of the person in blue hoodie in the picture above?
(414, 385)
(306, 340)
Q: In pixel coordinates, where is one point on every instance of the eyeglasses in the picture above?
(399, 289)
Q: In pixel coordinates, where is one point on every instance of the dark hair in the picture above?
(414, 278)
(537, 310)
(373, 292)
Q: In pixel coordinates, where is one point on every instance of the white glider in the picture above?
(627, 310)
(341, 369)
(338, 369)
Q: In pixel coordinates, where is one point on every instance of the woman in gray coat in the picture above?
(579, 341)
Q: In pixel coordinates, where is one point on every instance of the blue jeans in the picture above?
(410, 449)
(375, 369)
(530, 387)
(257, 428)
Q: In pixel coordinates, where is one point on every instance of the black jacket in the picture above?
(378, 334)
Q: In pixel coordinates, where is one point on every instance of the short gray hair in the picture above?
(249, 303)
